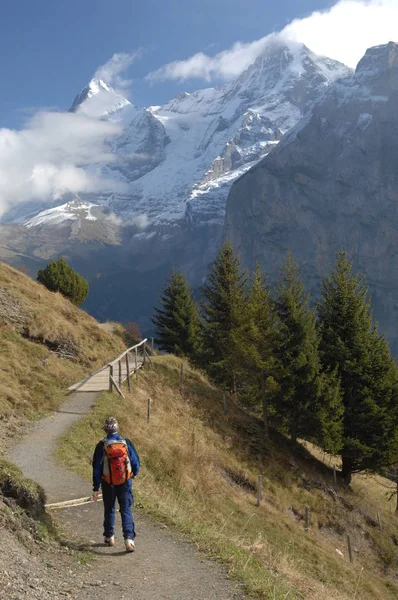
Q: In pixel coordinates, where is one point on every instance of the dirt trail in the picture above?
(161, 568)
(109, 327)
(34, 453)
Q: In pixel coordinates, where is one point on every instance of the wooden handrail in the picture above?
(114, 362)
(118, 361)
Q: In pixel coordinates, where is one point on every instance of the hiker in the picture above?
(115, 464)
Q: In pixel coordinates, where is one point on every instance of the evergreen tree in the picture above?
(309, 400)
(58, 276)
(223, 312)
(177, 321)
(352, 346)
(255, 342)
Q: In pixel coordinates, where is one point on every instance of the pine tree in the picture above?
(223, 311)
(352, 346)
(177, 322)
(58, 276)
(254, 346)
(309, 400)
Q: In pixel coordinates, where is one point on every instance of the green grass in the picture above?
(85, 558)
(199, 475)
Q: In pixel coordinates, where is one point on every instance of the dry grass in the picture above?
(33, 378)
(199, 474)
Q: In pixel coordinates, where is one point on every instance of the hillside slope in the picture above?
(46, 344)
(199, 474)
(39, 560)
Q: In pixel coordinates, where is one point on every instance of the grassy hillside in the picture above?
(199, 474)
(46, 344)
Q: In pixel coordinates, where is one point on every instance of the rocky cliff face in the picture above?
(331, 184)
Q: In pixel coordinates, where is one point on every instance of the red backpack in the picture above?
(116, 467)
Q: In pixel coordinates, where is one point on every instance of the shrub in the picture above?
(132, 334)
(58, 276)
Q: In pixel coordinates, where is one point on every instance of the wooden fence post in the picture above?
(349, 549)
(224, 399)
(128, 371)
(136, 364)
(110, 377)
(307, 518)
(396, 508)
(259, 489)
(120, 373)
(379, 522)
(334, 476)
(143, 355)
(148, 415)
(117, 388)
(152, 346)
(149, 358)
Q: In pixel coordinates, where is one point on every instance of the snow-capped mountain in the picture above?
(179, 160)
(175, 165)
(100, 101)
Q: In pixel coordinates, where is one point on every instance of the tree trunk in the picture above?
(265, 409)
(293, 432)
(347, 469)
(265, 418)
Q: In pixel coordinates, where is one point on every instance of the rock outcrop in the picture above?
(331, 184)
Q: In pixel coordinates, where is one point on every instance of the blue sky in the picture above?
(50, 48)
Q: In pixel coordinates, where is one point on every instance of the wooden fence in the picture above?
(127, 364)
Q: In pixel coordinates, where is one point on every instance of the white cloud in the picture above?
(47, 159)
(346, 30)
(60, 153)
(343, 32)
(226, 64)
(141, 221)
(111, 71)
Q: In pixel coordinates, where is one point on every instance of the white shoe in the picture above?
(109, 541)
(130, 545)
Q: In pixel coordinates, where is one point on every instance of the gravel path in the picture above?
(109, 327)
(162, 567)
(34, 453)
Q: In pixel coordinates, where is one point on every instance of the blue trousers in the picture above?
(124, 495)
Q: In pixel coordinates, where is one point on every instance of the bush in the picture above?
(131, 334)
(58, 276)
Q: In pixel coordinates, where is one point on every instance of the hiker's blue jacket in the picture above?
(99, 455)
